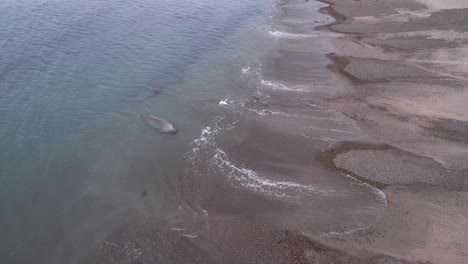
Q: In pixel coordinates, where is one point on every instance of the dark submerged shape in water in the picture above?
(161, 124)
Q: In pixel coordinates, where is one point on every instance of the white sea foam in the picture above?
(246, 70)
(268, 112)
(191, 235)
(206, 134)
(250, 179)
(236, 107)
(184, 232)
(178, 229)
(225, 102)
(207, 138)
(282, 87)
(205, 147)
(254, 69)
(281, 34)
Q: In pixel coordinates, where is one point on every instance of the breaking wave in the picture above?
(247, 178)
(207, 155)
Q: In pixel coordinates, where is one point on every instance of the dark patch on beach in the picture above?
(419, 171)
(305, 250)
(412, 44)
(389, 113)
(378, 108)
(450, 129)
(339, 66)
(382, 162)
(328, 10)
(327, 157)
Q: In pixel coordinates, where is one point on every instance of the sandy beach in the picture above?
(352, 149)
(408, 63)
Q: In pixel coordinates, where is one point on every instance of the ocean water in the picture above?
(79, 168)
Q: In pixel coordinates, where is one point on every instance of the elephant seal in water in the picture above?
(159, 123)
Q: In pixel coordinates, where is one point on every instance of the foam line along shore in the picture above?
(308, 132)
(251, 175)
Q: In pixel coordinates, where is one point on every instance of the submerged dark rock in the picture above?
(156, 92)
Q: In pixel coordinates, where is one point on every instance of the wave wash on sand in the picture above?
(345, 142)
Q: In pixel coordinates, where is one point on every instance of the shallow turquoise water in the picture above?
(74, 77)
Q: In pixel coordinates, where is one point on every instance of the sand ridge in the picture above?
(407, 61)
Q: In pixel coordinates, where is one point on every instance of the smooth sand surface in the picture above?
(445, 4)
(420, 224)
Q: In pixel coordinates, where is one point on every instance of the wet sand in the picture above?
(363, 163)
(407, 61)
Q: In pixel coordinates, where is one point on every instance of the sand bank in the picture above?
(407, 61)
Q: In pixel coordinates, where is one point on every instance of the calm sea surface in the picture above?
(76, 159)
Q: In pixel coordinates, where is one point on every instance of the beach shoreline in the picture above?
(335, 156)
(426, 218)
